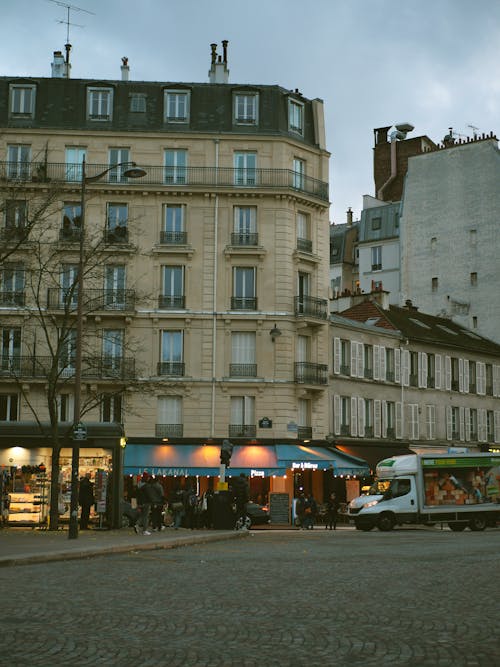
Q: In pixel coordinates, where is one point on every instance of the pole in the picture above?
(75, 458)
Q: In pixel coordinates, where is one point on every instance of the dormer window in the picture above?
(176, 106)
(137, 103)
(22, 101)
(296, 116)
(100, 104)
(246, 108)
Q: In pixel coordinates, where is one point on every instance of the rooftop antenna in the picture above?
(474, 130)
(67, 46)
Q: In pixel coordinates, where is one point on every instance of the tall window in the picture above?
(173, 287)
(245, 165)
(245, 108)
(169, 415)
(242, 416)
(245, 226)
(72, 220)
(243, 354)
(114, 286)
(345, 415)
(368, 361)
(66, 407)
(430, 418)
(11, 349)
(389, 364)
(175, 166)
(19, 159)
(390, 419)
(299, 170)
(67, 358)
(304, 280)
(434, 284)
(75, 155)
(376, 258)
(176, 106)
(137, 102)
(100, 104)
(22, 100)
(304, 242)
(15, 214)
(118, 156)
(112, 350)
(9, 407)
(116, 224)
(243, 289)
(12, 285)
(345, 357)
(304, 418)
(69, 289)
(296, 116)
(171, 353)
(173, 224)
(368, 418)
(111, 408)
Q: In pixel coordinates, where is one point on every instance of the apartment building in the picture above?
(206, 278)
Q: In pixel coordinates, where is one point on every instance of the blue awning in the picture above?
(320, 458)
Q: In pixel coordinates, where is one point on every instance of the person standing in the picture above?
(155, 493)
(310, 508)
(144, 504)
(176, 506)
(332, 511)
(240, 495)
(85, 500)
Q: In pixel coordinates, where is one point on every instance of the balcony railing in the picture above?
(368, 373)
(175, 368)
(12, 299)
(93, 299)
(222, 177)
(308, 373)
(116, 368)
(391, 432)
(368, 431)
(304, 432)
(305, 245)
(69, 235)
(14, 233)
(244, 239)
(169, 430)
(345, 429)
(310, 306)
(344, 369)
(243, 370)
(243, 303)
(413, 380)
(389, 376)
(117, 235)
(171, 302)
(242, 431)
(173, 238)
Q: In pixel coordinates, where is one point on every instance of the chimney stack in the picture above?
(218, 72)
(60, 69)
(349, 216)
(125, 68)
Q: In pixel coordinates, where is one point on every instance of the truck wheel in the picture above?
(477, 523)
(386, 522)
(366, 527)
(458, 526)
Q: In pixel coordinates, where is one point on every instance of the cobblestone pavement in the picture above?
(419, 597)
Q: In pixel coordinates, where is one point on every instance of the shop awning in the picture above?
(320, 458)
(373, 453)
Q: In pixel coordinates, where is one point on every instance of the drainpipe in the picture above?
(214, 293)
(380, 193)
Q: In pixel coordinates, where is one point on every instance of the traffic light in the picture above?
(225, 452)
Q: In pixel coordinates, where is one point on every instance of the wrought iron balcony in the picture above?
(116, 368)
(169, 430)
(308, 373)
(310, 306)
(244, 238)
(175, 368)
(344, 369)
(391, 432)
(69, 234)
(243, 370)
(93, 299)
(178, 177)
(14, 233)
(117, 235)
(304, 432)
(12, 299)
(171, 302)
(345, 429)
(305, 245)
(242, 431)
(173, 238)
(243, 303)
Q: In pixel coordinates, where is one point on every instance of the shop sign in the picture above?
(304, 465)
(265, 422)
(79, 431)
(100, 490)
(292, 426)
(257, 473)
(170, 472)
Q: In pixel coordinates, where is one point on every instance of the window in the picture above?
(243, 289)
(345, 357)
(19, 159)
(137, 103)
(116, 224)
(472, 377)
(175, 166)
(490, 425)
(245, 108)
(434, 284)
(111, 408)
(473, 278)
(245, 165)
(22, 100)
(431, 370)
(376, 258)
(304, 280)
(242, 417)
(296, 116)
(304, 430)
(245, 226)
(176, 106)
(413, 380)
(243, 354)
(71, 223)
(430, 419)
(390, 419)
(473, 237)
(389, 364)
(12, 285)
(11, 349)
(171, 353)
(173, 287)
(118, 156)
(68, 278)
(455, 374)
(472, 431)
(368, 418)
(455, 423)
(100, 104)
(65, 407)
(170, 421)
(173, 231)
(299, 170)
(489, 379)
(376, 223)
(114, 287)
(413, 421)
(368, 361)
(15, 214)
(74, 157)
(112, 351)
(67, 358)
(345, 415)
(8, 407)
(474, 322)
(304, 242)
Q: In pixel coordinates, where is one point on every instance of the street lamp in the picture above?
(132, 171)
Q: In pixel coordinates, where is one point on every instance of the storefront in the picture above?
(26, 465)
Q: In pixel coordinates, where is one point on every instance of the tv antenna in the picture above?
(474, 129)
(67, 22)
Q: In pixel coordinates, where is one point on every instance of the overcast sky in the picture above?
(433, 63)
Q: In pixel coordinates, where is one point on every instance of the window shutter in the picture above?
(376, 362)
(462, 423)
(447, 373)
(354, 359)
(481, 425)
(383, 374)
(495, 380)
(336, 355)
(449, 422)
(466, 376)
(430, 413)
(496, 420)
(467, 423)
(384, 419)
(361, 360)
(336, 414)
(481, 378)
(354, 416)
(377, 418)
(397, 365)
(361, 417)
(438, 371)
(422, 370)
(406, 368)
(399, 420)
(461, 375)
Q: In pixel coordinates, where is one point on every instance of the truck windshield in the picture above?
(379, 487)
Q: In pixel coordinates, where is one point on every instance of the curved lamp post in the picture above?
(79, 433)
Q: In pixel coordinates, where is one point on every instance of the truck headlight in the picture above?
(372, 503)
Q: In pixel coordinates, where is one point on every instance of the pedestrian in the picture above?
(176, 506)
(155, 493)
(85, 500)
(332, 511)
(310, 508)
(190, 505)
(300, 510)
(144, 504)
(240, 497)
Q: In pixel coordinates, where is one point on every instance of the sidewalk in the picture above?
(19, 546)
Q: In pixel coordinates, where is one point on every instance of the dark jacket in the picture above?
(154, 492)
(86, 492)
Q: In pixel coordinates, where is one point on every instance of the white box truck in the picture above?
(458, 489)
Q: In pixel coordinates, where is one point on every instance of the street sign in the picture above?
(265, 422)
(79, 431)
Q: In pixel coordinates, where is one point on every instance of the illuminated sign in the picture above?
(304, 465)
(257, 473)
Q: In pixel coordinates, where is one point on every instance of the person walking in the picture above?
(85, 500)
(190, 505)
(332, 511)
(240, 495)
(144, 504)
(155, 493)
(310, 508)
(176, 506)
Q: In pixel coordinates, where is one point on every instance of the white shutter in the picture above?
(461, 412)
(481, 378)
(466, 376)
(496, 380)
(422, 370)
(354, 359)
(354, 416)
(447, 373)
(377, 418)
(336, 414)
(336, 355)
(467, 423)
(383, 374)
(406, 368)
(384, 419)
(430, 411)
(449, 422)
(397, 365)
(361, 417)
(461, 375)
(496, 421)
(361, 360)
(438, 371)
(399, 420)
(481, 425)
(376, 362)
(413, 421)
